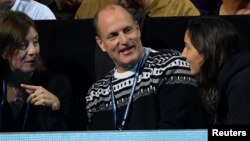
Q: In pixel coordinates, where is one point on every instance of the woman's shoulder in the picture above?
(45, 77)
(235, 71)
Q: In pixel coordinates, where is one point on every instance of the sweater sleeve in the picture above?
(180, 104)
(180, 107)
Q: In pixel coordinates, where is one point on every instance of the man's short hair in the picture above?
(108, 7)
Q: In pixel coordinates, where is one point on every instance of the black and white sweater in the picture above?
(165, 96)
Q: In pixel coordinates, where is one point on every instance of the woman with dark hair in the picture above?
(32, 99)
(218, 59)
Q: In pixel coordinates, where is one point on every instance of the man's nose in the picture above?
(123, 38)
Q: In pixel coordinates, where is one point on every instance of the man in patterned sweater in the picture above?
(147, 89)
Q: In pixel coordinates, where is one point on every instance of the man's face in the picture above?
(119, 37)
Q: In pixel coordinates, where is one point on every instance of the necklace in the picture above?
(17, 100)
(4, 96)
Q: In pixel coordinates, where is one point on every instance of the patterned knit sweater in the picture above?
(165, 96)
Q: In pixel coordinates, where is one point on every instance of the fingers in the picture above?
(33, 91)
(31, 97)
(37, 95)
(29, 87)
(40, 102)
(36, 99)
(34, 95)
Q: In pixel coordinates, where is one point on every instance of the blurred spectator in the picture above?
(68, 4)
(33, 9)
(89, 8)
(234, 7)
(63, 9)
(207, 7)
(154, 8)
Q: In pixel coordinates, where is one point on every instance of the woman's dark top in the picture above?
(39, 118)
(234, 84)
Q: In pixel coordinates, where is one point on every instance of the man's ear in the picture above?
(100, 43)
(4, 54)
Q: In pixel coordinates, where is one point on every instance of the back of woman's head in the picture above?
(217, 40)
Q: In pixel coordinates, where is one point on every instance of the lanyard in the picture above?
(4, 95)
(130, 97)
